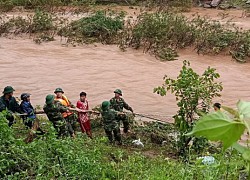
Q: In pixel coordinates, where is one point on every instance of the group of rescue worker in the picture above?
(64, 115)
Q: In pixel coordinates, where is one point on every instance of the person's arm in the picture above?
(71, 105)
(126, 106)
(26, 108)
(62, 108)
(78, 104)
(2, 106)
(111, 103)
(17, 107)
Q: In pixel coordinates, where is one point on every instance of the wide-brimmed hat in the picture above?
(118, 91)
(8, 89)
(58, 90)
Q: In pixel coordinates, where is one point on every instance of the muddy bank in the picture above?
(99, 69)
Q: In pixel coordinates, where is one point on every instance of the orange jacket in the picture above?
(64, 101)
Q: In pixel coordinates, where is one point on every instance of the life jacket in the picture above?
(64, 101)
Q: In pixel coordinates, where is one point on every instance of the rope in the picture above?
(153, 118)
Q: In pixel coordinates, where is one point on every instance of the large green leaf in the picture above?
(244, 108)
(218, 126)
(232, 111)
(244, 112)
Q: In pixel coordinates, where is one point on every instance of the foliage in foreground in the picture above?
(51, 158)
(219, 126)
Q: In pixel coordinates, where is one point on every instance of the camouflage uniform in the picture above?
(54, 112)
(111, 124)
(118, 104)
(10, 105)
(70, 117)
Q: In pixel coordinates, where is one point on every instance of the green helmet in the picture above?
(49, 99)
(118, 91)
(58, 90)
(105, 104)
(8, 89)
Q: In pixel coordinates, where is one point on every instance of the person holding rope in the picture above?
(54, 111)
(9, 103)
(118, 103)
(70, 117)
(30, 120)
(110, 123)
(83, 116)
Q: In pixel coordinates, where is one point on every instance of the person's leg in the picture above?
(117, 135)
(36, 127)
(125, 124)
(11, 120)
(82, 127)
(69, 126)
(63, 129)
(32, 125)
(109, 135)
(87, 127)
(73, 121)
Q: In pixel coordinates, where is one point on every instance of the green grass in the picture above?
(50, 158)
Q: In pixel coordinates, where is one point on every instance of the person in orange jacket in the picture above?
(70, 117)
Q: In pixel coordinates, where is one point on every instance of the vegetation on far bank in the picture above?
(161, 33)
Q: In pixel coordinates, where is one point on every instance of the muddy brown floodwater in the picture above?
(99, 69)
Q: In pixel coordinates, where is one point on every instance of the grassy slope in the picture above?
(82, 158)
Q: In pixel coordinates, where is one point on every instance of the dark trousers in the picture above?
(61, 128)
(116, 132)
(71, 122)
(125, 123)
(11, 120)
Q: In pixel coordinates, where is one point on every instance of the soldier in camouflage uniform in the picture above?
(70, 117)
(54, 110)
(9, 103)
(117, 103)
(111, 125)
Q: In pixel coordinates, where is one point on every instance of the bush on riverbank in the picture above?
(161, 34)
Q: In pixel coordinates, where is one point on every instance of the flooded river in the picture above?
(100, 69)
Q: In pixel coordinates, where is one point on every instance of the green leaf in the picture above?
(244, 108)
(241, 149)
(219, 127)
(244, 113)
(231, 111)
(246, 155)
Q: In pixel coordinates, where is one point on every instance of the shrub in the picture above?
(194, 93)
(42, 21)
(102, 26)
